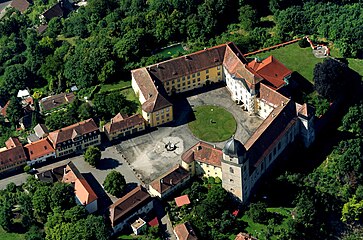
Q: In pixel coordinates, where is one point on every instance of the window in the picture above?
(193, 75)
(167, 83)
(198, 74)
(207, 77)
(231, 170)
(207, 71)
(188, 77)
(231, 180)
(183, 78)
(167, 110)
(219, 73)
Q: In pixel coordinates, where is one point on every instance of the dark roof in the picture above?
(170, 179)
(13, 154)
(42, 28)
(48, 103)
(155, 103)
(185, 231)
(52, 175)
(124, 123)
(55, 11)
(128, 204)
(70, 132)
(21, 5)
(234, 148)
(203, 152)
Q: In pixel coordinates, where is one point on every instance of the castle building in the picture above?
(255, 85)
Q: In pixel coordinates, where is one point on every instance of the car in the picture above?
(33, 171)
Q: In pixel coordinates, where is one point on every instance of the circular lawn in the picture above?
(212, 123)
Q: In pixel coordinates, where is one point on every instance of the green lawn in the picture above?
(356, 65)
(295, 58)
(71, 40)
(115, 86)
(130, 95)
(171, 51)
(10, 236)
(212, 124)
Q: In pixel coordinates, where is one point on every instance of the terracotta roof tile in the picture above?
(203, 152)
(182, 200)
(128, 204)
(270, 96)
(48, 103)
(124, 123)
(3, 110)
(12, 142)
(66, 133)
(21, 5)
(171, 178)
(185, 231)
(244, 236)
(39, 148)
(13, 154)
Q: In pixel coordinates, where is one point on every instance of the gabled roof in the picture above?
(66, 133)
(13, 154)
(55, 11)
(128, 204)
(185, 231)
(155, 103)
(271, 70)
(203, 152)
(244, 236)
(182, 200)
(39, 148)
(50, 102)
(305, 111)
(270, 96)
(20, 5)
(82, 189)
(170, 179)
(123, 123)
(40, 130)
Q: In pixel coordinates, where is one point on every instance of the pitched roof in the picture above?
(155, 103)
(21, 5)
(270, 96)
(124, 123)
(52, 175)
(39, 148)
(185, 231)
(128, 204)
(244, 236)
(3, 110)
(82, 189)
(40, 130)
(182, 200)
(271, 70)
(13, 154)
(67, 133)
(305, 110)
(42, 28)
(203, 152)
(55, 11)
(171, 178)
(50, 102)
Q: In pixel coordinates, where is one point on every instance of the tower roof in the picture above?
(234, 148)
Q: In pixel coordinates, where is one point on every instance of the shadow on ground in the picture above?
(108, 163)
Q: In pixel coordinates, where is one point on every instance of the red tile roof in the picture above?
(271, 97)
(21, 5)
(124, 123)
(182, 200)
(185, 231)
(170, 179)
(244, 236)
(3, 110)
(39, 148)
(203, 152)
(154, 222)
(128, 204)
(71, 131)
(12, 142)
(13, 154)
(51, 102)
(271, 70)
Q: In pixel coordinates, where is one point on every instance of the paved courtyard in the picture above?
(146, 154)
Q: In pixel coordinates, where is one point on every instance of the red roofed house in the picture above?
(244, 236)
(134, 203)
(85, 195)
(182, 200)
(169, 182)
(3, 110)
(39, 151)
(12, 156)
(184, 231)
(122, 126)
(75, 138)
(203, 159)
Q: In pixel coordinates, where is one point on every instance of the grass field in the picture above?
(171, 51)
(356, 65)
(295, 58)
(212, 124)
(130, 95)
(10, 236)
(114, 86)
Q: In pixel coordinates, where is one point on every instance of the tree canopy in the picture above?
(92, 156)
(115, 183)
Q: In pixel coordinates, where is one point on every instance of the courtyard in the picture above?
(147, 154)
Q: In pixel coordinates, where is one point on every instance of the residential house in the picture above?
(184, 231)
(169, 182)
(41, 131)
(12, 156)
(135, 203)
(55, 11)
(3, 110)
(244, 236)
(122, 125)
(55, 102)
(75, 138)
(20, 5)
(39, 151)
(52, 175)
(85, 195)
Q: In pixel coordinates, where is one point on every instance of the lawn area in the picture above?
(355, 64)
(258, 229)
(212, 124)
(115, 86)
(71, 40)
(130, 95)
(10, 236)
(172, 50)
(295, 58)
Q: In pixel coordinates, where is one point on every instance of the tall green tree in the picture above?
(115, 183)
(14, 111)
(92, 156)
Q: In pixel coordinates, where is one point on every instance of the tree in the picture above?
(330, 78)
(6, 215)
(352, 210)
(353, 120)
(59, 119)
(14, 111)
(92, 156)
(115, 183)
(34, 233)
(16, 77)
(258, 212)
(41, 202)
(26, 209)
(62, 195)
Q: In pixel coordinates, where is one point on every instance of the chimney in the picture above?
(214, 146)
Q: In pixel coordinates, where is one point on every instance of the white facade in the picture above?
(41, 159)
